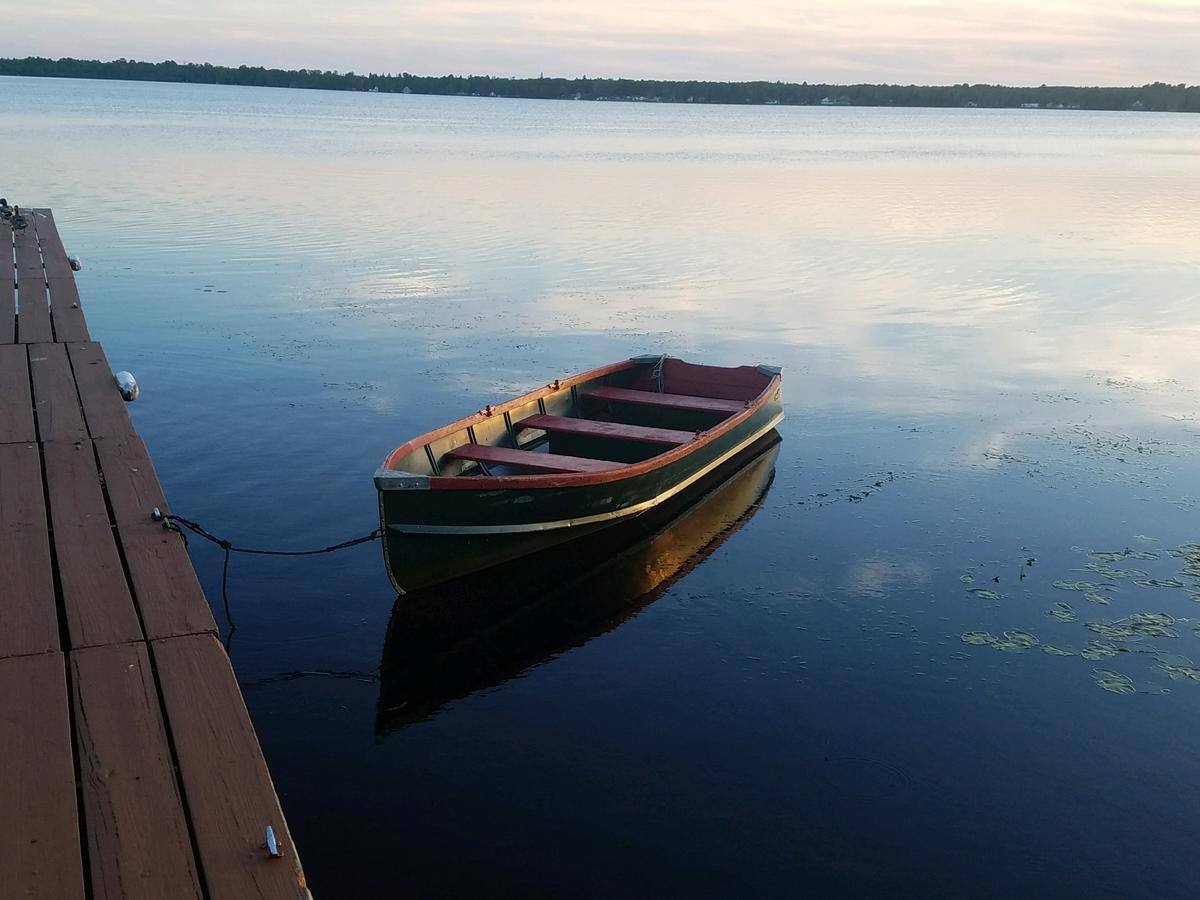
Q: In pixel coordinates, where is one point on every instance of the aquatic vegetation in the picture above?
(1109, 572)
(1180, 672)
(1063, 612)
(1118, 555)
(1114, 681)
(1013, 640)
(1160, 582)
(1136, 626)
(985, 594)
(1058, 651)
(1081, 586)
(1099, 650)
(967, 578)
(1016, 640)
(978, 638)
(1097, 598)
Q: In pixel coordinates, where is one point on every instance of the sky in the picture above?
(1109, 42)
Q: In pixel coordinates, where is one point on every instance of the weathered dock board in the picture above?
(131, 766)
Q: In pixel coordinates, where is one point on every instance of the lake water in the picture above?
(989, 325)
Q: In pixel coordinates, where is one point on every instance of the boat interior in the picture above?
(599, 421)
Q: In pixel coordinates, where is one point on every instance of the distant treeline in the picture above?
(1157, 97)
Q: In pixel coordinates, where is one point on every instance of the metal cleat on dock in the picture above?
(127, 385)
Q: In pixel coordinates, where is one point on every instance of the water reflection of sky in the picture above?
(987, 322)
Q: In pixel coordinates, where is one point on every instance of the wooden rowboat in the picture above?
(578, 455)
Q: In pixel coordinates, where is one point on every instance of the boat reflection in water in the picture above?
(448, 641)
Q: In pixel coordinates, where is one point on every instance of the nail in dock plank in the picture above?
(138, 843)
(39, 818)
(224, 775)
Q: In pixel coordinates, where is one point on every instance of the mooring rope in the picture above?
(179, 523)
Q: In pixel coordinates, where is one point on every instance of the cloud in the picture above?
(1013, 41)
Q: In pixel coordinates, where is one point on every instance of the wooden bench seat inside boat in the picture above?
(643, 434)
(528, 459)
(667, 401)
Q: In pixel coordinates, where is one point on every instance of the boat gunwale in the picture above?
(560, 480)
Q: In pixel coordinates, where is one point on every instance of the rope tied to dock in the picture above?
(177, 524)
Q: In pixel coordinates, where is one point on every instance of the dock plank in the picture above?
(136, 828)
(99, 608)
(54, 255)
(16, 401)
(224, 775)
(103, 408)
(33, 306)
(39, 818)
(164, 582)
(8, 294)
(55, 400)
(28, 609)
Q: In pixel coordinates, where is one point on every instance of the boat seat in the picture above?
(665, 437)
(668, 401)
(529, 459)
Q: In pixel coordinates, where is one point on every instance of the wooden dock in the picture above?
(131, 768)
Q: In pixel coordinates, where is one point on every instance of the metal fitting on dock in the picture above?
(127, 385)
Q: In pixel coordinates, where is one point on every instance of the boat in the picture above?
(470, 634)
(562, 462)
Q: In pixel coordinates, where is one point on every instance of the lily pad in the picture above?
(1058, 651)
(1098, 650)
(1134, 626)
(985, 594)
(978, 638)
(1082, 586)
(1181, 673)
(1114, 682)
(1063, 612)
(1016, 640)
(1109, 572)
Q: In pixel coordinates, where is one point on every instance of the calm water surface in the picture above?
(988, 323)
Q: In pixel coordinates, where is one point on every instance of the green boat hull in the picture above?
(431, 536)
